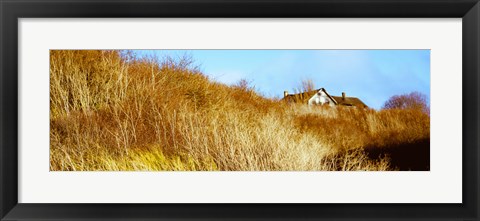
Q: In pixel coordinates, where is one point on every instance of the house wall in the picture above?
(320, 98)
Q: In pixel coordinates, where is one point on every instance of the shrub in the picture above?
(414, 100)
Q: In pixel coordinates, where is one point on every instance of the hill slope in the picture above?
(112, 111)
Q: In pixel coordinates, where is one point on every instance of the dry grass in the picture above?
(112, 111)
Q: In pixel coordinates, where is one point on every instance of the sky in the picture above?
(371, 75)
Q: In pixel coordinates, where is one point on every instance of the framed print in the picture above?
(239, 110)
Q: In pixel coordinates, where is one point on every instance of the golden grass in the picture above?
(112, 111)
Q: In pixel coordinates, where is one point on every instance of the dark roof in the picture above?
(300, 97)
(338, 100)
(349, 101)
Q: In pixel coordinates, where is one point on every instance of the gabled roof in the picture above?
(328, 95)
(305, 96)
(338, 100)
(349, 101)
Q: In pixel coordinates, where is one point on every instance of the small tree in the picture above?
(307, 85)
(414, 100)
(244, 84)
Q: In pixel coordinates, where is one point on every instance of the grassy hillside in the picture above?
(113, 111)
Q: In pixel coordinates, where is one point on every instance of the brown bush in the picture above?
(414, 100)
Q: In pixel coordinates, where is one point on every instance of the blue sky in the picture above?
(371, 75)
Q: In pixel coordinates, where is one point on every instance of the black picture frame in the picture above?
(11, 11)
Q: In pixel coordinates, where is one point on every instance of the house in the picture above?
(322, 97)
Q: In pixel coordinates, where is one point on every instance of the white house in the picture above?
(321, 98)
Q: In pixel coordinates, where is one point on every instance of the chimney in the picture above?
(343, 95)
(285, 93)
